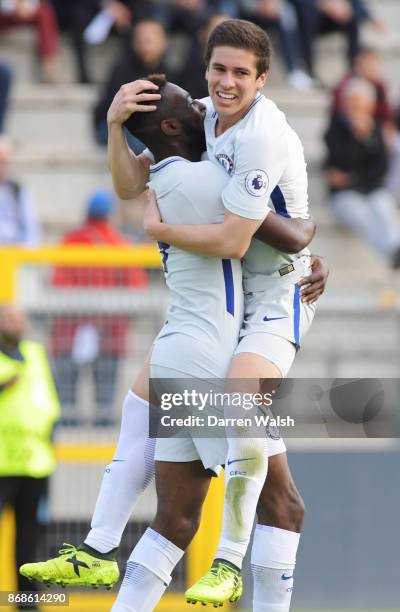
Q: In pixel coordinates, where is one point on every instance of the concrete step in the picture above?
(61, 179)
(63, 114)
(73, 170)
(18, 48)
(45, 114)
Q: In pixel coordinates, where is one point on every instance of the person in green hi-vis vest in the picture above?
(29, 408)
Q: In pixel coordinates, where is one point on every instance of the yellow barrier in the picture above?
(11, 258)
(204, 545)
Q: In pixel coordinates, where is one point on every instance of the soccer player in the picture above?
(203, 314)
(92, 563)
(282, 508)
(251, 138)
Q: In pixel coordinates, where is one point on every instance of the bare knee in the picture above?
(282, 507)
(179, 527)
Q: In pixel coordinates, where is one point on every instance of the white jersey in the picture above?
(265, 161)
(206, 309)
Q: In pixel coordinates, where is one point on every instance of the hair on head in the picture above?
(241, 34)
(138, 121)
(360, 87)
(157, 79)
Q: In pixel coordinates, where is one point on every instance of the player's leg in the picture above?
(280, 513)
(275, 323)
(280, 508)
(130, 471)
(246, 463)
(267, 349)
(246, 468)
(181, 490)
(124, 479)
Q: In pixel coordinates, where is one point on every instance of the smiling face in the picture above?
(233, 82)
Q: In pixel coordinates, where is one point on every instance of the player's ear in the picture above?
(171, 127)
(262, 79)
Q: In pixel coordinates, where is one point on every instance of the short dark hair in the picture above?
(138, 122)
(241, 34)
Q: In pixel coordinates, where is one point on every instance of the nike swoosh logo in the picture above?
(273, 318)
(286, 577)
(237, 460)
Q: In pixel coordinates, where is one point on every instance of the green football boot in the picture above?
(221, 584)
(75, 566)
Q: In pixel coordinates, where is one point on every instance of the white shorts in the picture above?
(275, 318)
(211, 452)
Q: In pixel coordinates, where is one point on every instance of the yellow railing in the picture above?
(146, 256)
(12, 258)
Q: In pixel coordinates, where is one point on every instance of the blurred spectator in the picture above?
(92, 20)
(356, 167)
(192, 74)
(73, 17)
(321, 17)
(95, 340)
(5, 85)
(188, 16)
(145, 55)
(367, 66)
(19, 223)
(29, 408)
(139, 10)
(277, 18)
(40, 14)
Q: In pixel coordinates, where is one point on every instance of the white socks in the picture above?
(148, 573)
(245, 472)
(124, 479)
(273, 559)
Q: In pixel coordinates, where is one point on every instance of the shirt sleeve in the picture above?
(148, 154)
(260, 159)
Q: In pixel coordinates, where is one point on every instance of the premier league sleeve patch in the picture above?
(256, 183)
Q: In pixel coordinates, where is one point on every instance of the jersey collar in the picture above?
(165, 162)
(258, 97)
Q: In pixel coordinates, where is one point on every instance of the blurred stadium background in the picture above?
(349, 557)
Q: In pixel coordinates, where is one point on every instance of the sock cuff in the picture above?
(157, 554)
(110, 555)
(173, 551)
(274, 547)
(231, 552)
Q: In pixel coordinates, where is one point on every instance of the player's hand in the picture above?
(314, 284)
(152, 218)
(129, 99)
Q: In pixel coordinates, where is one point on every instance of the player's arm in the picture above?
(286, 235)
(245, 201)
(130, 172)
(229, 239)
